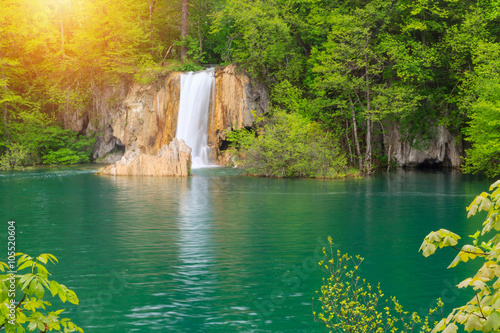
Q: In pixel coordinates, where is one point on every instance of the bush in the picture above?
(14, 158)
(350, 304)
(37, 138)
(289, 145)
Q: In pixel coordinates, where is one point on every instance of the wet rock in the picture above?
(173, 159)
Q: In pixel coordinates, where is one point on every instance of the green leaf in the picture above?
(39, 290)
(495, 184)
(439, 326)
(27, 280)
(32, 325)
(429, 249)
(473, 323)
(42, 258)
(52, 258)
(72, 298)
(448, 241)
(54, 287)
(28, 263)
(61, 290)
(492, 322)
(3, 266)
(451, 328)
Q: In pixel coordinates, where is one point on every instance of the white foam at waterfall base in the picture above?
(194, 108)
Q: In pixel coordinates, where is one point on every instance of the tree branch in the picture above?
(479, 305)
(475, 253)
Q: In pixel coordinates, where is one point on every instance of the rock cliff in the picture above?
(236, 96)
(443, 150)
(173, 159)
(148, 116)
(144, 117)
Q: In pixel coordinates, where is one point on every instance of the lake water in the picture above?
(220, 252)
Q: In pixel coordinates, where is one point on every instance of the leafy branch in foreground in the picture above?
(482, 312)
(350, 304)
(31, 311)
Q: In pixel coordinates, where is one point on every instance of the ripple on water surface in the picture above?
(221, 252)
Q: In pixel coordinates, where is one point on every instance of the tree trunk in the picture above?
(199, 30)
(368, 154)
(348, 141)
(62, 28)
(151, 27)
(184, 28)
(389, 159)
(5, 106)
(355, 129)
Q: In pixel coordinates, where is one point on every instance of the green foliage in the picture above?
(350, 304)
(289, 145)
(147, 71)
(31, 312)
(259, 38)
(482, 312)
(15, 157)
(194, 52)
(288, 97)
(484, 125)
(353, 66)
(240, 139)
(189, 67)
(36, 137)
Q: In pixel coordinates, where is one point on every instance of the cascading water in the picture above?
(194, 107)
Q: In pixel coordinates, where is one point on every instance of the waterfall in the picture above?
(194, 107)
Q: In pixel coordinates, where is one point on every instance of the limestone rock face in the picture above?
(236, 97)
(98, 117)
(444, 150)
(131, 116)
(148, 117)
(172, 160)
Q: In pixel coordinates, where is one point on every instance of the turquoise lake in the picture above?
(221, 252)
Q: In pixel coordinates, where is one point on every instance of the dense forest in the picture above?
(338, 72)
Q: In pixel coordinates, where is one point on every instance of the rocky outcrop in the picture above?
(98, 117)
(148, 117)
(238, 100)
(172, 160)
(444, 150)
(144, 117)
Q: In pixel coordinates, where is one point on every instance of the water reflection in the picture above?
(196, 256)
(206, 253)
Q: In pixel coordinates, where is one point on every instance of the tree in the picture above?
(184, 28)
(29, 310)
(260, 39)
(482, 312)
(484, 125)
(348, 69)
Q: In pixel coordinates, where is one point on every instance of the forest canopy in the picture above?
(354, 66)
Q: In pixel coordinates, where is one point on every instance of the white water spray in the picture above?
(194, 108)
